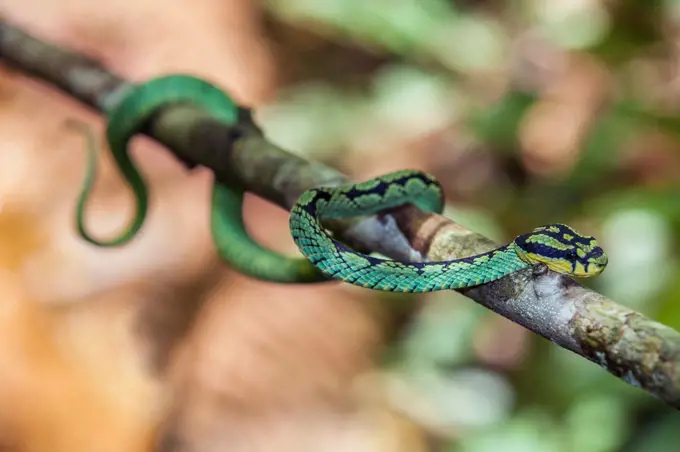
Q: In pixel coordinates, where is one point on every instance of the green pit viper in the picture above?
(557, 246)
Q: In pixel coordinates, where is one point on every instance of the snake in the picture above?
(558, 247)
(125, 118)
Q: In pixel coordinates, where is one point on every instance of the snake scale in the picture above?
(558, 246)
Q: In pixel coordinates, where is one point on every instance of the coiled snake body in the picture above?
(558, 246)
(232, 241)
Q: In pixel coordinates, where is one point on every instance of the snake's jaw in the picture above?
(556, 265)
(595, 266)
(564, 266)
(592, 267)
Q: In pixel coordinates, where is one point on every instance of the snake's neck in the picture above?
(506, 258)
(513, 251)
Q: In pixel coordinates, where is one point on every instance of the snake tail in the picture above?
(233, 243)
(125, 120)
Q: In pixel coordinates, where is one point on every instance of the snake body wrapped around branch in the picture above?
(234, 244)
(557, 246)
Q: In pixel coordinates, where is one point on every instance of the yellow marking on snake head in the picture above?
(562, 250)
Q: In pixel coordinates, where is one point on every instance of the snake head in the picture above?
(563, 250)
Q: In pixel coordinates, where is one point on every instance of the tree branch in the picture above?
(636, 349)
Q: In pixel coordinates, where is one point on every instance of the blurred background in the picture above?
(528, 111)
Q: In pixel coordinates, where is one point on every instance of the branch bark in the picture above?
(632, 347)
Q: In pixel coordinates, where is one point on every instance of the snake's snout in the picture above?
(596, 264)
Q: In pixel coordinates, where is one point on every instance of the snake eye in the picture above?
(571, 255)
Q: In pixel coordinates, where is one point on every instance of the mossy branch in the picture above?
(638, 350)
